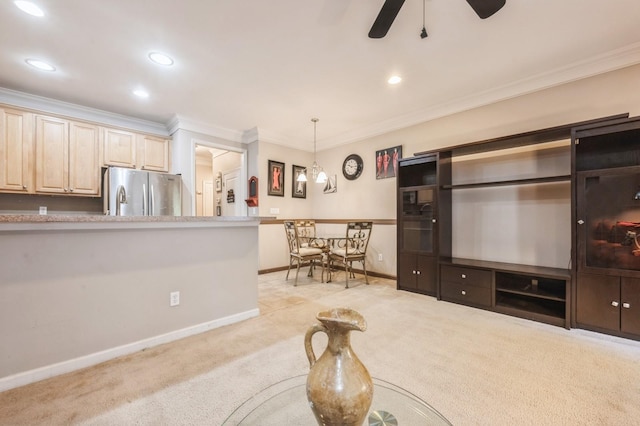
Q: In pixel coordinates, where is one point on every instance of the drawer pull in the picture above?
(464, 293)
(464, 275)
(626, 305)
(614, 304)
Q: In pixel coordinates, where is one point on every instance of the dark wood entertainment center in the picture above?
(599, 172)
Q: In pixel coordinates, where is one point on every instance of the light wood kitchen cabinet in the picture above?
(119, 148)
(67, 157)
(153, 153)
(16, 150)
(133, 150)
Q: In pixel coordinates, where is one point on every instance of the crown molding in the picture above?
(179, 122)
(79, 112)
(600, 64)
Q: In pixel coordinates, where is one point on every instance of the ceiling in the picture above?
(273, 65)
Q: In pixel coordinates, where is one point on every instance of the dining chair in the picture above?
(351, 249)
(306, 231)
(299, 254)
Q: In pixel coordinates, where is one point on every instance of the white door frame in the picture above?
(243, 170)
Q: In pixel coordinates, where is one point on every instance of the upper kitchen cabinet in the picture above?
(153, 153)
(137, 151)
(119, 148)
(16, 150)
(67, 157)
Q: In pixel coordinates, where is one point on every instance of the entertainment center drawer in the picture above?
(466, 276)
(467, 294)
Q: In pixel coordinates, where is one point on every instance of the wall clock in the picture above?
(352, 167)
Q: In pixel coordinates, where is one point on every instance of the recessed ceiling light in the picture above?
(394, 79)
(28, 7)
(41, 65)
(160, 58)
(141, 93)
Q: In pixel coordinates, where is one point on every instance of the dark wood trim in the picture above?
(527, 138)
(331, 221)
(357, 271)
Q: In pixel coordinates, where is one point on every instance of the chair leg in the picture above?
(364, 268)
(347, 271)
(290, 263)
(295, 283)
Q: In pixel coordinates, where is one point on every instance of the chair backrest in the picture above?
(358, 234)
(306, 230)
(292, 237)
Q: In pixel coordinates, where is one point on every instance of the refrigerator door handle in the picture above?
(144, 200)
(152, 201)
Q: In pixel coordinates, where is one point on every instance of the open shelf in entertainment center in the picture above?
(529, 181)
(538, 293)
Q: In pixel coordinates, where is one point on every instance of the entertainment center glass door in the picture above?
(418, 220)
(609, 219)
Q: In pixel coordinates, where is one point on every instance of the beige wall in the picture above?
(608, 94)
(72, 298)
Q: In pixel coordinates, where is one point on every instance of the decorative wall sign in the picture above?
(298, 189)
(276, 179)
(387, 162)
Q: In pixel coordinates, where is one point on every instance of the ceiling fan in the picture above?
(390, 8)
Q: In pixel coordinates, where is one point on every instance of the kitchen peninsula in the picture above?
(76, 290)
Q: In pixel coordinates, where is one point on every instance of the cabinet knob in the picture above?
(464, 275)
(433, 220)
(70, 189)
(24, 186)
(626, 305)
(418, 272)
(580, 222)
(464, 293)
(614, 304)
(413, 272)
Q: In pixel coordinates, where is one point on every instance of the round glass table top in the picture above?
(285, 403)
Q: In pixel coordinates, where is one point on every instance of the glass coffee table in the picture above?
(285, 403)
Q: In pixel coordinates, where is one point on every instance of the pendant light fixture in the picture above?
(317, 174)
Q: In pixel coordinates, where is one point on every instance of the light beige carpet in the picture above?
(474, 367)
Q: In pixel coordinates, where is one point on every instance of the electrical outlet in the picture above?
(174, 298)
(379, 257)
(43, 210)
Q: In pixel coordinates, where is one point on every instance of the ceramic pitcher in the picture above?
(339, 387)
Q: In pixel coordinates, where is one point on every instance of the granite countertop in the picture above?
(26, 222)
(37, 218)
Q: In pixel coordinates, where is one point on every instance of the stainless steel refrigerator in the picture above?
(129, 192)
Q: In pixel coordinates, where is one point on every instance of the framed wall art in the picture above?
(331, 185)
(298, 189)
(275, 183)
(387, 162)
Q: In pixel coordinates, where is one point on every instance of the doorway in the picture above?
(218, 170)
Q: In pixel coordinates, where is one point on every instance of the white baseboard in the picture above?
(57, 369)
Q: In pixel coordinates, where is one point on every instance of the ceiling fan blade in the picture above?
(486, 8)
(385, 18)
